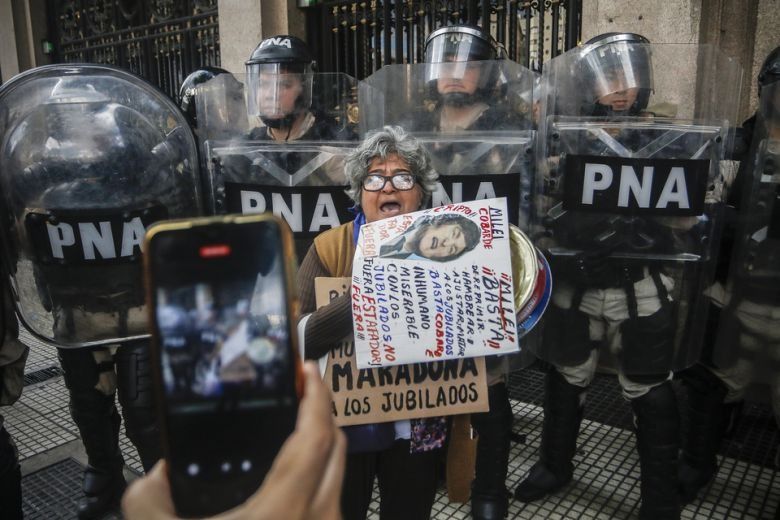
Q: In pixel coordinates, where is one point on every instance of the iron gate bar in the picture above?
(539, 6)
(387, 29)
(163, 48)
(133, 38)
(368, 34)
(556, 5)
(527, 14)
(573, 22)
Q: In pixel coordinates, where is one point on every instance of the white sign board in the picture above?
(434, 285)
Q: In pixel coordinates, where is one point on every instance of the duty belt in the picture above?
(601, 273)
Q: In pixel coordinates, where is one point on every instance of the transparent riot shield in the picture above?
(748, 341)
(479, 134)
(476, 120)
(289, 158)
(629, 156)
(89, 157)
(221, 108)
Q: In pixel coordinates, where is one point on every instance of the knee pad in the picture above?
(701, 380)
(82, 375)
(566, 336)
(82, 367)
(136, 398)
(135, 383)
(648, 343)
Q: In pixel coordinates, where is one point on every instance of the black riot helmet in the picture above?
(614, 63)
(279, 79)
(453, 53)
(189, 88)
(770, 70)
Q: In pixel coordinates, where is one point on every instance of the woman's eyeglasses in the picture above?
(400, 181)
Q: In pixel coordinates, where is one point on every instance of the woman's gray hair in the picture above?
(381, 143)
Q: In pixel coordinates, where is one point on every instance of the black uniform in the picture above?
(13, 354)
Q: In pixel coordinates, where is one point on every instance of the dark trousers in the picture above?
(96, 414)
(10, 478)
(407, 483)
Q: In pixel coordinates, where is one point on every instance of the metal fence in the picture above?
(160, 40)
(360, 37)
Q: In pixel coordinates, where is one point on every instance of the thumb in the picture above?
(149, 497)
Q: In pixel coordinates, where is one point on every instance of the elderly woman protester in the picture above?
(389, 174)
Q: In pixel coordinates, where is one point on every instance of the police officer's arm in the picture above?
(329, 324)
(304, 482)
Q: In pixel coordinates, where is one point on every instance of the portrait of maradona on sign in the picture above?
(441, 238)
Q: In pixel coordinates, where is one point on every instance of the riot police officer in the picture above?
(280, 76)
(92, 155)
(223, 115)
(625, 268)
(715, 386)
(464, 79)
(298, 127)
(188, 91)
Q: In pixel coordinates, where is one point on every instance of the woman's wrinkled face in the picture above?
(442, 241)
(389, 202)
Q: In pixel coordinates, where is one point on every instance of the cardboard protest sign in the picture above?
(434, 285)
(363, 396)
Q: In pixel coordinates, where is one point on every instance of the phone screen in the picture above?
(226, 361)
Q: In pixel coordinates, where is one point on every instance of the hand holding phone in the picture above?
(227, 371)
(305, 480)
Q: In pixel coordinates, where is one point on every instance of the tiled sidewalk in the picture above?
(605, 481)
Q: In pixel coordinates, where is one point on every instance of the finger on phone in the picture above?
(327, 502)
(299, 467)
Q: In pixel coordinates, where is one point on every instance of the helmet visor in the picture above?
(618, 67)
(274, 91)
(461, 71)
(458, 46)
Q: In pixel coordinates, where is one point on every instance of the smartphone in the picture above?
(227, 373)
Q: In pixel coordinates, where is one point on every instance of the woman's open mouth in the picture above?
(390, 208)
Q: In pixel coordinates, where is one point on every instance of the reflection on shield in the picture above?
(748, 338)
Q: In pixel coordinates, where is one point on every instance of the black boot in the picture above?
(104, 481)
(98, 421)
(102, 492)
(489, 496)
(563, 404)
(705, 424)
(658, 425)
